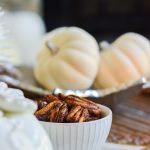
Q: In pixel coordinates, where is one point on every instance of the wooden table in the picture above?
(131, 121)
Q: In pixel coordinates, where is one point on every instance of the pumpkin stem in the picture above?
(51, 47)
(104, 45)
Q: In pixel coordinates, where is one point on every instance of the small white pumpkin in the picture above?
(68, 59)
(127, 59)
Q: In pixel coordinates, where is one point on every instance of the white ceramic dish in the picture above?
(80, 136)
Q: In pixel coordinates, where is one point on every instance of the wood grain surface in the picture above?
(131, 121)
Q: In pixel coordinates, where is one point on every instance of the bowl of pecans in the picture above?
(74, 123)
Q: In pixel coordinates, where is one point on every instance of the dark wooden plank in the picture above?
(131, 121)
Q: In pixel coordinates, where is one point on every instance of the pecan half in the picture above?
(45, 111)
(50, 98)
(84, 116)
(54, 111)
(41, 104)
(95, 112)
(78, 101)
(76, 117)
(72, 114)
(63, 112)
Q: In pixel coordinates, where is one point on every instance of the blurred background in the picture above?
(99, 17)
(102, 18)
(105, 19)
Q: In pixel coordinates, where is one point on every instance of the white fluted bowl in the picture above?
(80, 136)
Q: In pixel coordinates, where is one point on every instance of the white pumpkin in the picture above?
(68, 59)
(127, 59)
(20, 130)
